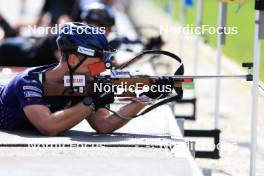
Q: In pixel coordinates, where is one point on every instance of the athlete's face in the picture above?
(91, 66)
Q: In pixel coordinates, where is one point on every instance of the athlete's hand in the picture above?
(160, 89)
(102, 98)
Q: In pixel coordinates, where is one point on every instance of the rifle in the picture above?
(117, 77)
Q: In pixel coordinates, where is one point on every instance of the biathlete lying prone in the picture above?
(24, 106)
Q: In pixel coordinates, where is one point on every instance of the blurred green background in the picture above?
(238, 47)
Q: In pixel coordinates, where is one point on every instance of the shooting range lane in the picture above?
(235, 100)
(148, 145)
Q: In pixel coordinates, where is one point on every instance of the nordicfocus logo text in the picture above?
(190, 29)
(137, 88)
(57, 29)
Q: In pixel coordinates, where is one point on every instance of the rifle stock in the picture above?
(89, 88)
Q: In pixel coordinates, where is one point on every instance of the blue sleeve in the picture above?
(30, 92)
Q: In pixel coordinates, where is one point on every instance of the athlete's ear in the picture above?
(73, 59)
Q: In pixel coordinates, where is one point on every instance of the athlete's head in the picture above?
(84, 48)
(99, 14)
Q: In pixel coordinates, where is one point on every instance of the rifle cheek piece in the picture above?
(96, 68)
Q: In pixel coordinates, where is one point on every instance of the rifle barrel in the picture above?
(197, 76)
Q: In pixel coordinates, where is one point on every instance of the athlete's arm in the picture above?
(104, 123)
(52, 124)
